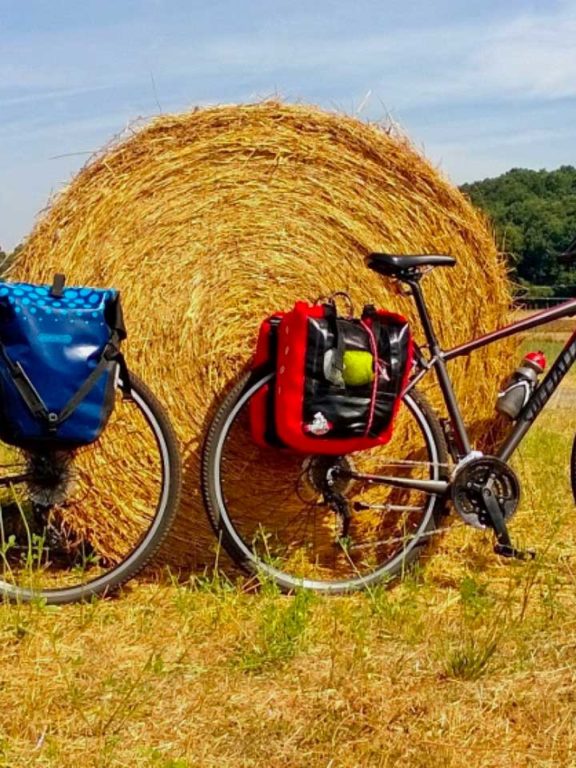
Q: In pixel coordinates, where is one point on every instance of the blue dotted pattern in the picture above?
(36, 299)
(58, 342)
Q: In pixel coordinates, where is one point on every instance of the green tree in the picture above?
(534, 216)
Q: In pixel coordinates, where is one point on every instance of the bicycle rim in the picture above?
(267, 505)
(78, 523)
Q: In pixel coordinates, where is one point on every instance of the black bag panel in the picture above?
(114, 317)
(347, 408)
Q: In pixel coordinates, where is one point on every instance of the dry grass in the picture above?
(210, 220)
(469, 661)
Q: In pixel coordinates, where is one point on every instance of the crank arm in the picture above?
(503, 546)
(517, 554)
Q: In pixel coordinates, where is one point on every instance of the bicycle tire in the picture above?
(573, 469)
(241, 547)
(139, 407)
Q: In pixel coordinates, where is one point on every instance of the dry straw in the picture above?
(208, 221)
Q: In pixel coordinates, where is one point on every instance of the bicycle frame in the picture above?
(544, 390)
(438, 360)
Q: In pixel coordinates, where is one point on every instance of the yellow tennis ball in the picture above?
(358, 368)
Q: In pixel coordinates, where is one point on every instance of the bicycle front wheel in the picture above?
(268, 508)
(74, 524)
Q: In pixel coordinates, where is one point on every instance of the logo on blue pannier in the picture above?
(55, 338)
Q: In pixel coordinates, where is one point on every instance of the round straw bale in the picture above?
(210, 220)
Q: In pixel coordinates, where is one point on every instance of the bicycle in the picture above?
(76, 523)
(339, 524)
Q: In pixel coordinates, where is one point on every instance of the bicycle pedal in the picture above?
(504, 550)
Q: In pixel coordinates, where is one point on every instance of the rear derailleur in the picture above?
(340, 505)
(328, 476)
(485, 493)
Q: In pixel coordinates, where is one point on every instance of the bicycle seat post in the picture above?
(412, 278)
(409, 269)
(413, 282)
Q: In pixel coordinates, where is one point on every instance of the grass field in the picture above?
(471, 660)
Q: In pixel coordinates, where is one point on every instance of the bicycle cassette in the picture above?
(470, 480)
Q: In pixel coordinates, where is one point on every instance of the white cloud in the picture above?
(32, 97)
(531, 56)
(534, 55)
(461, 86)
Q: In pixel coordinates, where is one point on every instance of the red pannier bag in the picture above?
(338, 381)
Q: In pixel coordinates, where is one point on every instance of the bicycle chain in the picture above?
(427, 534)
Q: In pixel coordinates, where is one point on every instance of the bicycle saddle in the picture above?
(391, 264)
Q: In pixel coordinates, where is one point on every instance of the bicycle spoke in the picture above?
(276, 505)
(70, 519)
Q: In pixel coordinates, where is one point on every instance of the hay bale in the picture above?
(209, 220)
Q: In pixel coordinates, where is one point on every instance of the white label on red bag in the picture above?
(319, 426)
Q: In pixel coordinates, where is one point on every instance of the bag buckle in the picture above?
(110, 352)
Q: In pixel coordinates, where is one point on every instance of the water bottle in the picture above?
(521, 385)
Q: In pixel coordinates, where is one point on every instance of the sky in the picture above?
(481, 86)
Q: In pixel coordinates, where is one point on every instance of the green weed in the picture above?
(282, 623)
(469, 658)
(474, 597)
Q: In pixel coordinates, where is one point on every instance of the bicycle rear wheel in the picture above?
(267, 505)
(74, 524)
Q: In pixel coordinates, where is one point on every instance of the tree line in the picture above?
(7, 257)
(534, 217)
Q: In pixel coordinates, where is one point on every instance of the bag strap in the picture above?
(57, 289)
(334, 372)
(37, 406)
(374, 393)
(82, 392)
(338, 360)
(26, 389)
(390, 335)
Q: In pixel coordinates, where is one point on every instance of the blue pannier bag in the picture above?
(59, 361)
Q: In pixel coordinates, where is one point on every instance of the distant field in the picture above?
(557, 330)
(470, 661)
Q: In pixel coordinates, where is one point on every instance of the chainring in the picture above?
(470, 479)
